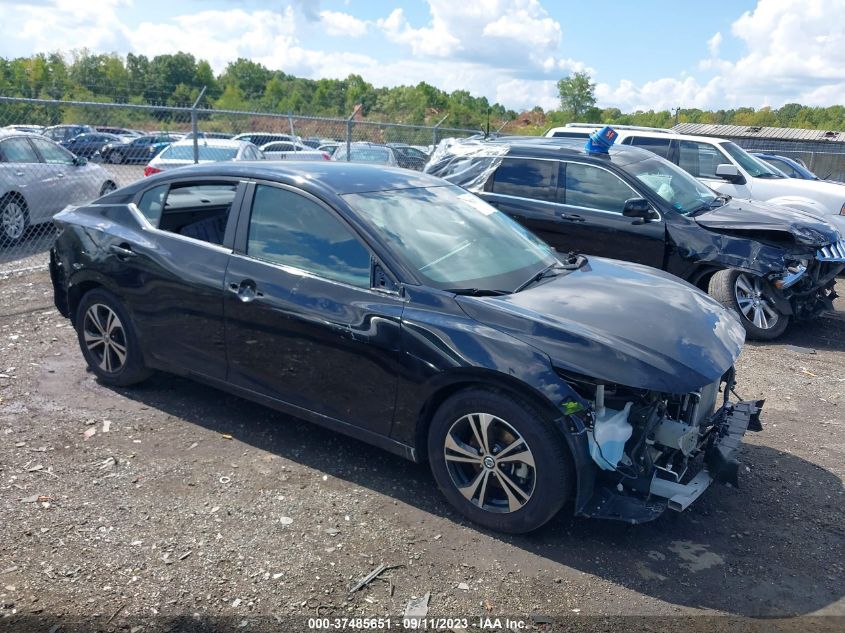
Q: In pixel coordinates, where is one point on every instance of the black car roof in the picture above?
(331, 177)
(557, 148)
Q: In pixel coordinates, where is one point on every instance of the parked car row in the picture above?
(768, 263)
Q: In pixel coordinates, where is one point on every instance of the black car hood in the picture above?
(747, 216)
(622, 323)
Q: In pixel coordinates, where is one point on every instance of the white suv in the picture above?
(726, 167)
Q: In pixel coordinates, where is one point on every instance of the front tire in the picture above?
(108, 341)
(499, 461)
(750, 297)
(116, 157)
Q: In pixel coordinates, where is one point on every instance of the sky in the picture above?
(648, 54)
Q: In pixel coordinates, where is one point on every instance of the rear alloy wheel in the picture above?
(750, 297)
(13, 221)
(499, 461)
(116, 157)
(107, 340)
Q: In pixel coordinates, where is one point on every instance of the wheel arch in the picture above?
(14, 194)
(454, 382)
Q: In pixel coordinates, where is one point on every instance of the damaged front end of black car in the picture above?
(678, 444)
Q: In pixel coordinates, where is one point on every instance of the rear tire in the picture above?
(116, 158)
(499, 461)
(108, 340)
(14, 220)
(749, 297)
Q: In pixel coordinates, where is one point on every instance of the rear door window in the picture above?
(17, 150)
(592, 187)
(526, 178)
(196, 210)
(659, 146)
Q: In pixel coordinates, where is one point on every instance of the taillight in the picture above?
(149, 170)
(327, 157)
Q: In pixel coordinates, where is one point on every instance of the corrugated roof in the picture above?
(750, 131)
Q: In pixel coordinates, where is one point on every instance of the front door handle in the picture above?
(571, 217)
(123, 251)
(246, 290)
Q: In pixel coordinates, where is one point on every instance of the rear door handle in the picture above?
(246, 290)
(123, 251)
(18, 173)
(571, 217)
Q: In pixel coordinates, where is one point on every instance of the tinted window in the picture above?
(52, 153)
(659, 146)
(526, 178)
(571, 134)
(287, 228)
(596, 188)
(17, 150)
(199, 211)
(700, 159)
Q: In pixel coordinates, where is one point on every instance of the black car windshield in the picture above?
(186, 152)
(453, 239)
(683, 192)
(755, 167)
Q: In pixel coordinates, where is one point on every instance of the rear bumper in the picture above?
(721, 452)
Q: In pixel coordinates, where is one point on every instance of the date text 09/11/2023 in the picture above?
(414, 623)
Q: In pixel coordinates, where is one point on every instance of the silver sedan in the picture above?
(38, 178)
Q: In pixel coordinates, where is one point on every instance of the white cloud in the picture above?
(794, 52)
(714, 43)
(342, 24)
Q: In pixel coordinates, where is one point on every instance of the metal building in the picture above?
(822, 151)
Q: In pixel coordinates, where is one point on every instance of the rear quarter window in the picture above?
(526, 178)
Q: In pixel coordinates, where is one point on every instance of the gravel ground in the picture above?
(173, 505)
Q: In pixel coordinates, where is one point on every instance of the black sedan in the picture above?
(402, 310)
(138, 150)
(86, 145)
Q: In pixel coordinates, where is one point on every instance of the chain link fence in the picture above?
(59, 153)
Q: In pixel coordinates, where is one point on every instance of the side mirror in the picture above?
(79, 161)
(729, 172)
(638, 208)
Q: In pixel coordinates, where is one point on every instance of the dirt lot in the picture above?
(174, 506)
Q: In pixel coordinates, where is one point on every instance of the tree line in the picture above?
(177, 79)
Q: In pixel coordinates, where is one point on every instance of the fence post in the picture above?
(290, 123)
(437, 130)
(194, 126)
(349, 138)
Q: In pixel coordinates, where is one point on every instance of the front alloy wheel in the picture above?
(753, 302)
(752, 299)
(490, 463)
(13, 221)
(499, 459)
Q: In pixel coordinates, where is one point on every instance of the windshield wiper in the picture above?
(477, 292)
(715, 203)
(571, 262)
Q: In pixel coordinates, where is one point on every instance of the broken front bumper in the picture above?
(721, 451)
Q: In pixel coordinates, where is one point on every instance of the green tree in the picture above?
(577, 94)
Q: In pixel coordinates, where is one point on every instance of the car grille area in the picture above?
(832, 253)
